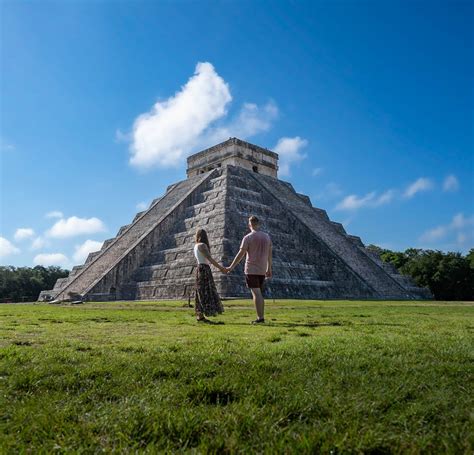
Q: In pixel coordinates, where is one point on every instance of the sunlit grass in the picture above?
(319, 376)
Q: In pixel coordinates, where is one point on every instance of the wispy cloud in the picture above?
(316, 171)
(434, 234)
(82, 251)
(51, 259)
(251, 120)
(451, 183)
(330, 191)
(142, 206)
(23, 233)
(178, 126)
(7, 248)
(54, 214)
(354, 202)
(74, 226)
(462, 227)
(289, 151)
(38, 243)
(419, 185)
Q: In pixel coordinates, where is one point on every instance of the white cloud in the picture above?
(7, 248)
(165, 135)
(422, 184)
(330, 191)
(251, 120)
(23, 233)
(460, 225)
(83, 250)
(384, 198)
(54, 214)
(316, 171)
(451, 183)
(38, 243)
(288, 149)
(73, 226)
(434, 234)
(460, 221)
(195, 117)
(354, 202)
(461, 238)
(51, 259)
(142, 206)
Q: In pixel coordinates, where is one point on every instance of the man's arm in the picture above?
(268, 274)
(237, 259)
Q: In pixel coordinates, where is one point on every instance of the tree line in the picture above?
(18, 284)
(449, 276)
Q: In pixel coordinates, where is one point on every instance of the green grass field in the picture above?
(320, 377)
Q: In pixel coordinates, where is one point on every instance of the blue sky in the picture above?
(370, 105)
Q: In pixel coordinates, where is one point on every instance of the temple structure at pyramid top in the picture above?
(234, 152)
(313, 257)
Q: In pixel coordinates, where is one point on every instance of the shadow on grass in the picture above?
(312, 325)
(209, 322)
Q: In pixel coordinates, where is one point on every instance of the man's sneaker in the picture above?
(258, 321)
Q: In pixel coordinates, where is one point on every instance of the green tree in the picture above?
(22, 283)
(449, 276)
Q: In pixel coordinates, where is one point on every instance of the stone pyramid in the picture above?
(313, 257)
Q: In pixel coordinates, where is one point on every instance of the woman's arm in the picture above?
(207, 254)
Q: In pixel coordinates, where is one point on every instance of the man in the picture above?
(257, 246)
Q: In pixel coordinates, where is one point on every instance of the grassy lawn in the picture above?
(319, 377)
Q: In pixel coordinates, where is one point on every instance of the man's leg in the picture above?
(258, 302)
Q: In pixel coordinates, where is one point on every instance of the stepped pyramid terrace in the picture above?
(313, 257)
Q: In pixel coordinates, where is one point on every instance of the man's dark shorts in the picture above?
(255, 281)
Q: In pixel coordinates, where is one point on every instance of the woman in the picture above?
(207, 302)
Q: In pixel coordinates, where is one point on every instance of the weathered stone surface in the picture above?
(313, 257)
(234, 152)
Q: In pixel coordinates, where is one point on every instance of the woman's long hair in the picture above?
(201, 237)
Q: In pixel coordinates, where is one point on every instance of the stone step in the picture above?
(138, 215)
(321, 213)
(187, 238)
(60, 283)
(92, 256)
(356, 240)
(252, 205)
(339, 227)
(75, 270)
(123, 229)
(305, 199)
(107, 243)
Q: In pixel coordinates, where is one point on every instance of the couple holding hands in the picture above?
(257, 247)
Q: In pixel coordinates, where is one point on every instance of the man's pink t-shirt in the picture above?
(257, 245)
